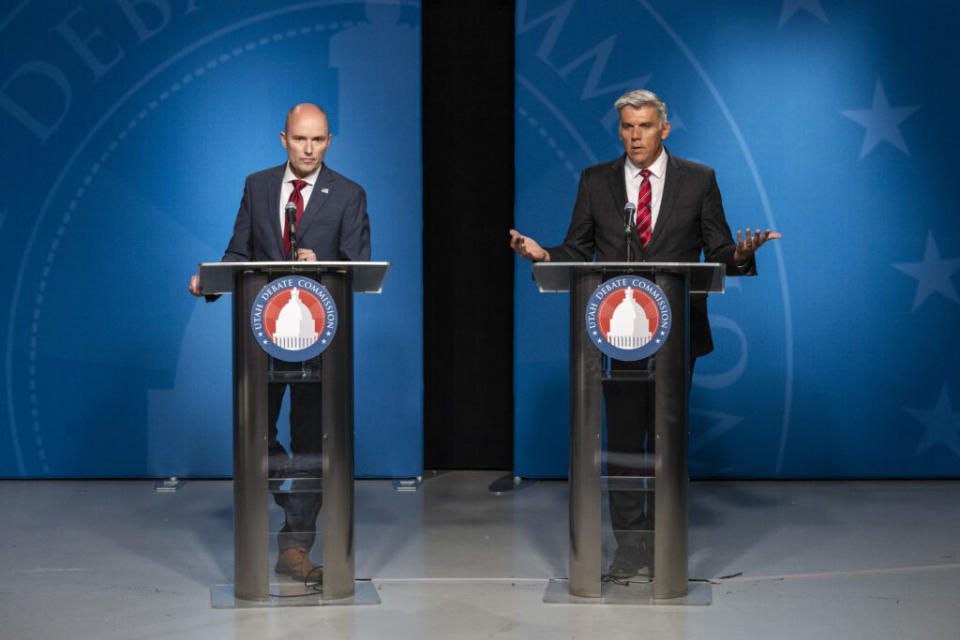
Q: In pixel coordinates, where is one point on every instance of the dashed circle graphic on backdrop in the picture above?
(628, 318)
(294, 318)
(571, 66)
(236, 33)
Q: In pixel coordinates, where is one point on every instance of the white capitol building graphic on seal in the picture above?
(629, 326)
(296, 328)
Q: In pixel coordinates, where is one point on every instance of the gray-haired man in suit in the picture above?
(683, 218)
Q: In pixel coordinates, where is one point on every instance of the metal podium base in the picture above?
(292, 594)
(638, 593)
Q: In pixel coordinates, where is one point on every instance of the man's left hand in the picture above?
(747, 243)
(306, 255)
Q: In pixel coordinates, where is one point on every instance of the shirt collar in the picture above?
(658, 168)
(310, 178)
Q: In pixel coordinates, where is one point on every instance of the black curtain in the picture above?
(468, 74)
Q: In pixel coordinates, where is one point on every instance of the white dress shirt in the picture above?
(287, 188)
(658, 173)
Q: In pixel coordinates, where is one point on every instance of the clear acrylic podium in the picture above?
(251, 490)
(669, 584)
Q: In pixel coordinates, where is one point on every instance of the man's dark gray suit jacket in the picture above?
(334, 224)
(691, 221)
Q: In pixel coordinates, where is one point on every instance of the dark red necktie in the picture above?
(296, 198)
(644, 215)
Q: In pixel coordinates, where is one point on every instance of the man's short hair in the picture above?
(642, 98)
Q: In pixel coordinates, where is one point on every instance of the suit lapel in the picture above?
(273, 212)
(617, 182)
(318, 197)
(671, 189)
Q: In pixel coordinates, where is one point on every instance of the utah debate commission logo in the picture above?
(628, 318)
(294, 318)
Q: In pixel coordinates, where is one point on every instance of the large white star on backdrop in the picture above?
(933, 274)
(790, 7)
(882, 122)
(941, 424)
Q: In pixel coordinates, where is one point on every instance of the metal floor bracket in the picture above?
(638, 593)
(508, 483)
(407, 484)
(170, 485)
(292, 594)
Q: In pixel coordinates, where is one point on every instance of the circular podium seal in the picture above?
(294, 318)
(628, 318)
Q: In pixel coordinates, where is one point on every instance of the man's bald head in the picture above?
(304, 109)
(306, 138)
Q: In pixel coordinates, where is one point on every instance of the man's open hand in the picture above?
(747, 244)
(527, 247)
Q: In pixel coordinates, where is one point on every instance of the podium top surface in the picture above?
(217, 277)
(705, 277)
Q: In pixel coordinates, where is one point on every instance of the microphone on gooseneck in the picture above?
(291, 211)
(629, 213)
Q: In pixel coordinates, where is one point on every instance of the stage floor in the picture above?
(846, 560)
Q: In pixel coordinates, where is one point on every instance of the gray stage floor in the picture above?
(94, 559)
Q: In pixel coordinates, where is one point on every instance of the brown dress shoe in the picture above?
(295, 562)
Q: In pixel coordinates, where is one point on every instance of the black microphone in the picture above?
(629, 213)
(291, 211)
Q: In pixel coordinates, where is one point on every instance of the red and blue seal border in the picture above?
(643, 285)
(327, 332)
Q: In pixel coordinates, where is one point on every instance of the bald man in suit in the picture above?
(334, 226)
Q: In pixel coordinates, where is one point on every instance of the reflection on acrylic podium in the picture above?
(656, 485)
(253, 370)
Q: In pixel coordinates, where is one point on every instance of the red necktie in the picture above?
(644, 217)
(296, 198)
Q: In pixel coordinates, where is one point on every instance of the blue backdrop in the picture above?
(128, 129)
(830, 122)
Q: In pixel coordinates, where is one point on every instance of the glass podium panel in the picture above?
(294, 472)
(306, 371)
(283, 413)
(627, 531)
(296, 550)
(627, 472)
(295, 486)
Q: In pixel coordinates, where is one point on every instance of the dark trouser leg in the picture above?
(306, 436)
(630, 408)
(306, 432)
(630, 447)
(278, 455)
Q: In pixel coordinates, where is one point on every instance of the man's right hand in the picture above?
(527, 247)
(195, 285)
